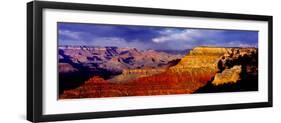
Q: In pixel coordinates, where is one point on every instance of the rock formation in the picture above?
(114, 59)
(234, 62)
(237, 70)
(231, 75)
(131, 74)
(79, 63)
(204, 69)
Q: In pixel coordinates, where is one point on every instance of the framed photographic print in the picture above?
(96, 61)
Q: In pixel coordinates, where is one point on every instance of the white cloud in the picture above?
(167, 31)
(118, 42)
(172, 35)
(248, 45)
(70, 34)
(108, 41)
(239, 44)
(71, 42)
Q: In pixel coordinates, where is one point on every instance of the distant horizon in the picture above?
(150, 37)
(150, 49)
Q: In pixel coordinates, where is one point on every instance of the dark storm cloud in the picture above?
(145, 37)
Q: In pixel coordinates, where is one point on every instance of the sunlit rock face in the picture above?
(231, 75)
(201, 57)
(209, 51)
(203, 69)
(237, 70)
(131, 74)
(236, 62)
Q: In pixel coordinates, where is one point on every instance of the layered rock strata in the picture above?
(204, 69)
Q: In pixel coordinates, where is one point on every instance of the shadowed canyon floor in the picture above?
(114, 72)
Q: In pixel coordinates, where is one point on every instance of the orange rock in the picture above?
(192, 72)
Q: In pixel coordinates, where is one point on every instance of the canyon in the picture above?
(131, 72)
(78, 63)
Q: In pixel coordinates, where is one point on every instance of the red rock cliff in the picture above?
(193, 71)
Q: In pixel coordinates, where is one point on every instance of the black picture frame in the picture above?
(34, 60)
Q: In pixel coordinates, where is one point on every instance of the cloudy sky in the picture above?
(146, 37)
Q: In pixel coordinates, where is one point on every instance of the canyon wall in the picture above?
(237, 70)
(204, 69)
(79, 63)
